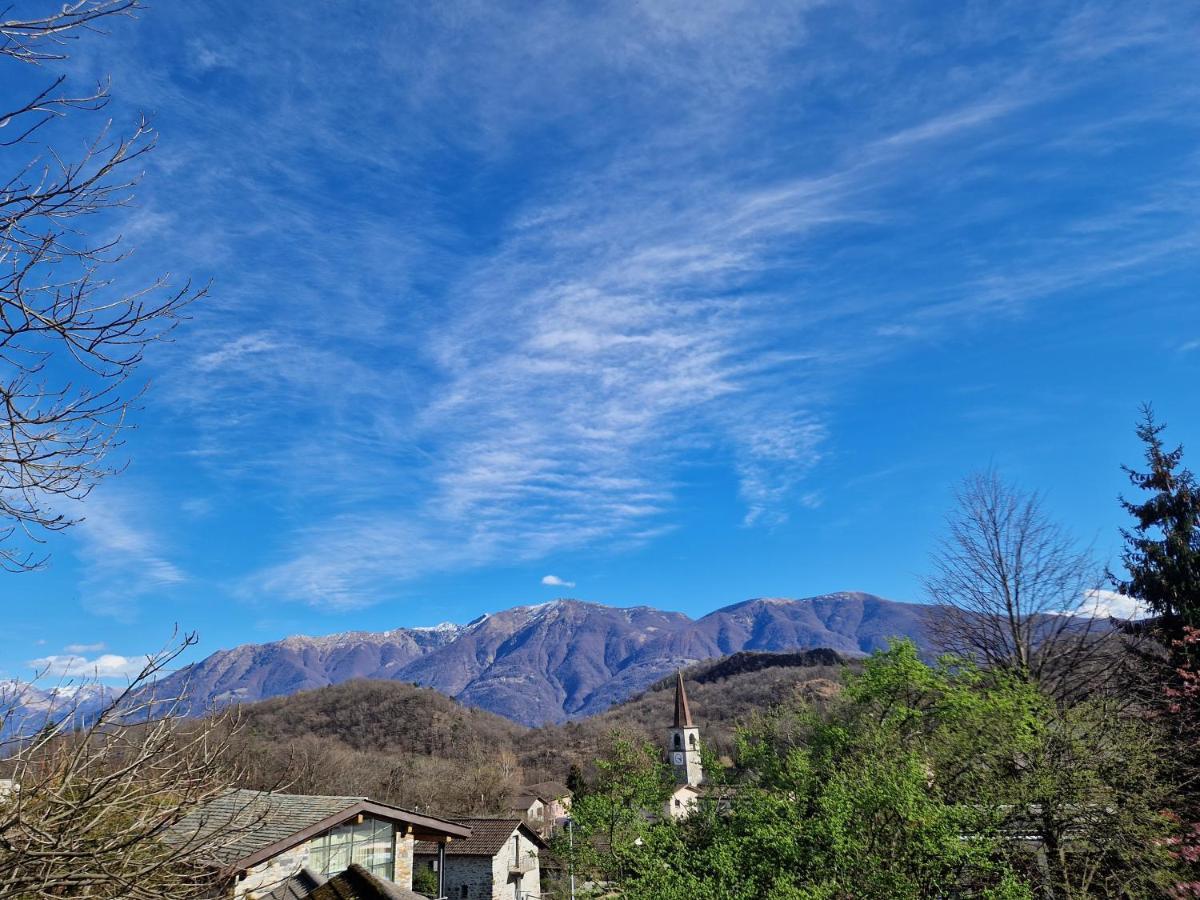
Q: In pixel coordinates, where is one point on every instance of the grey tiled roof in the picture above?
(241, 822)
(298, 886)
(488, 837)
(356, 883)
(548, 790)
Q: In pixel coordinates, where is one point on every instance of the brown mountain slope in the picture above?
(414, 746)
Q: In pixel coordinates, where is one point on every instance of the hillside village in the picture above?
(272, 845)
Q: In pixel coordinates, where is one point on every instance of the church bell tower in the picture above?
(683, 740)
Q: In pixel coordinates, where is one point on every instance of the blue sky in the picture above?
(679, 303)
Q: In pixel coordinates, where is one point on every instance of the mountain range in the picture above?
(551, 662)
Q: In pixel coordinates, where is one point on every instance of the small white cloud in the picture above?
(197, 507)
(204, 58)
(898, 331)
(1189, 346)
(108, 665)
(235, 352)
(1110, 603)
(555, 581)
(76, 649)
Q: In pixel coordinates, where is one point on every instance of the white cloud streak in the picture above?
(77, 649)
(555, 581)
(122, 555)
(673, 280)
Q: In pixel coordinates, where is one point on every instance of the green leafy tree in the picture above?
(924, 781)
(425, 881)
(615, 815)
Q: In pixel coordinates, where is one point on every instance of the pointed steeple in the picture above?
(683, 715)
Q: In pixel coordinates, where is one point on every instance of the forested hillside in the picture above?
(417, 747)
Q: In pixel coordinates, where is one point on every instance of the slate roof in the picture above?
(356, 883)
(522, 800)
(488, 837)
(298, 886)
(547, 790)
(241, 822)
(243, 827)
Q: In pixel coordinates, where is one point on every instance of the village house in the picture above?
(683, 755)
(544, 806)
(275, 846)
(499, 861)
(530, 808)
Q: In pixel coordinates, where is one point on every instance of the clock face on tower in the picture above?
(679, 759)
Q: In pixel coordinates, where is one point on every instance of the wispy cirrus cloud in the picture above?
(121, 553)
(615, 241)
(76, 649)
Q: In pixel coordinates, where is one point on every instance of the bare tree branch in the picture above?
(1015, 591)
(71, 341)
(97, 797)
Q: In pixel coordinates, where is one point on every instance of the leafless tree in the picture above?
(93, 800)
(71, 339)
(1012, 589)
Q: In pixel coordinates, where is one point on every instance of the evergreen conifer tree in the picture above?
(1162, 549)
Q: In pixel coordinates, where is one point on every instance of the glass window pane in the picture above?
(383, 830)
(339, 859)
(318, 857)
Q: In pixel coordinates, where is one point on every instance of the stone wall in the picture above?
(260, 880)
(487, 877)
(530, 883)
(404, 860)
(472, 872)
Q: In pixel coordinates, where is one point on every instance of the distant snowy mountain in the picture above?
(552, 661)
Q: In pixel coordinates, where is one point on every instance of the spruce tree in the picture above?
(1162, 549)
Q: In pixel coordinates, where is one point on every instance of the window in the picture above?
(678, 744)
(462, 892)
(692, 740)
(371, 843)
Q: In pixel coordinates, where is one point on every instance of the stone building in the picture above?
(683, 754)
(499, 861)
(269, 846)
(530, 808)
(544, 806)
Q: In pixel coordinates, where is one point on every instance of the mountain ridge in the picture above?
(554, 661)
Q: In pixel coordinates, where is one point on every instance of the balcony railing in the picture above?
(522, 866)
